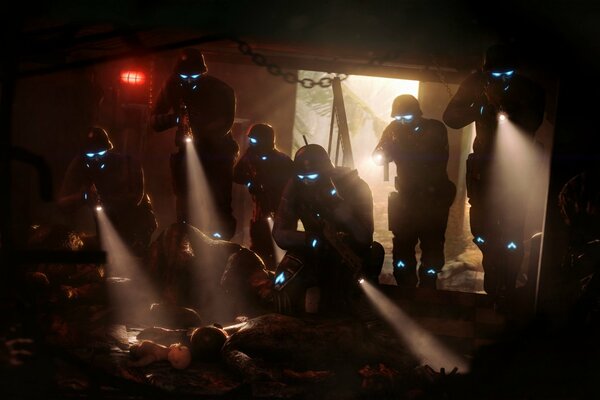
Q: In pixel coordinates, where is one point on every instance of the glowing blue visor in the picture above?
(184, 76)
(404, 118)
(310, 177)
(100, 154)
(499, 74)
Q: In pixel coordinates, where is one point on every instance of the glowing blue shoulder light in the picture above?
(280, 278)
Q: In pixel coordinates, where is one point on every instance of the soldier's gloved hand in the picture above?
(255, 188)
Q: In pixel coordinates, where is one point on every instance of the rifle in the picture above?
(328, 231)
(184, 133)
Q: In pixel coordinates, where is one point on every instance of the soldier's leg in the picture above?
(432, 236)
(400, 220)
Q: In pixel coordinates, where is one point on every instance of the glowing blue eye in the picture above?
(400, 264)
(397, 118)
(280, 278)
(101, 153)
(408, 117)
(312, 177)
(333, 192)
(102, 166)
(479, 239)
(263, 158)
(217, 235)
(90, 155)
(314, 243)
(195, 76)
(182, 76)
(511, 246)
(509, 73)
(253, 140)
(496, 74)
(431, 271)
(300, 177)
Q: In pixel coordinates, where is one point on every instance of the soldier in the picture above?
(336, 249)
(265, 171)
(100, 177)
(207, 104)
(418, 211)
(497, 213)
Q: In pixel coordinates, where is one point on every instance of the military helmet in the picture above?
(312, 158)
(191, 61)
(406, 104)
(263, 134)
(96, 140)
(499, 57)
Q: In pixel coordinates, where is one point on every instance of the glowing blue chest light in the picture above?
(280, 279)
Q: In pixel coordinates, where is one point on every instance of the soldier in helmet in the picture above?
(418, 211)
(207, 105)
(497, 213)
(100, 177)
(318, 272)
(265, 171)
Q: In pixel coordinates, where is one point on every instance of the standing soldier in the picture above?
(418, 211)
(207, 104)
(265, 171)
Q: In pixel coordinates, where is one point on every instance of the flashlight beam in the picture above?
(427, 349)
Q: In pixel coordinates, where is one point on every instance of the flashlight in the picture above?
(361, 280)
(188, 139)
(98, 208)
(502, 116)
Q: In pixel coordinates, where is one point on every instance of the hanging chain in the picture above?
(440, 75)
(276, 70)
(326, 81)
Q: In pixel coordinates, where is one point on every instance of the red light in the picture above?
(133, 77)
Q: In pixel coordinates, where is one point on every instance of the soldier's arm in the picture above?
(73, 187)
(242, 172)
(285, 228)
(163, 116)
(465, 107)
(357, 217)
(385, 145)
